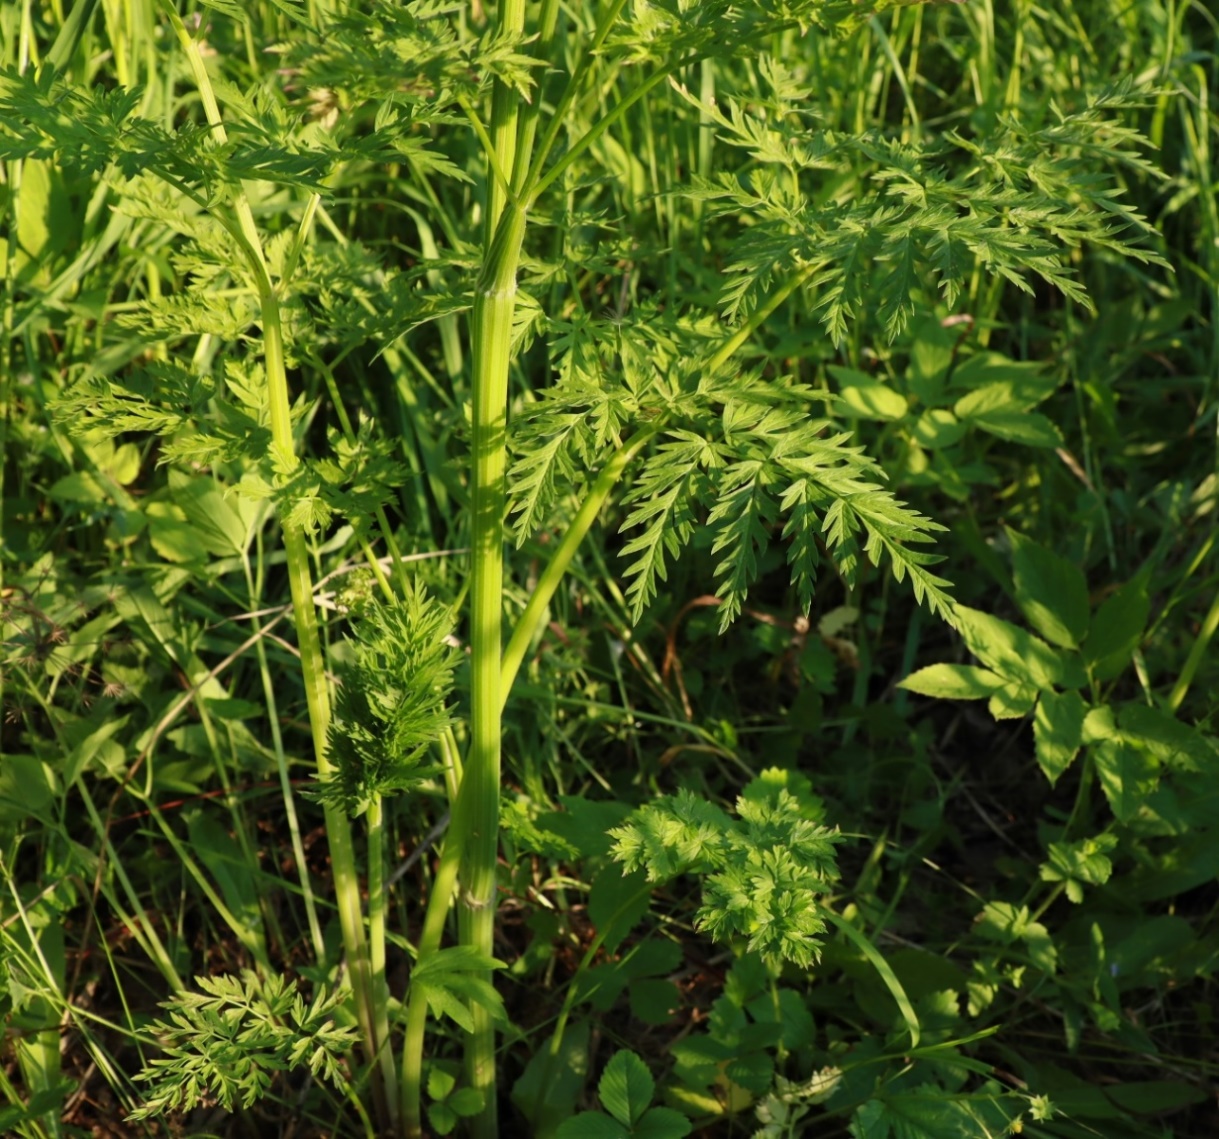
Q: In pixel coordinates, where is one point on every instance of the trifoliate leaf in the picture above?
(626, 1088)
(1078, 864)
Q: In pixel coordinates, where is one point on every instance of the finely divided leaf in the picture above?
(1128, 775)
(668, 488)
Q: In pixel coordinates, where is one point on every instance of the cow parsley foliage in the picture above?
(227, 1042)
(763, 872)
(393, 702)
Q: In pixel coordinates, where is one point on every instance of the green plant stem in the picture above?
(535, 611)
(478, 799)
(443, 885)
(759, 317)
(1206, 633)
(139, 922)
(505, 101)
(539, 184)
(338, 828)
(281, 762)
(574, 83)
(476, 812)
(376, 940)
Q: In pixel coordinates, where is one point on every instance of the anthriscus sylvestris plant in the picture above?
(666, 402)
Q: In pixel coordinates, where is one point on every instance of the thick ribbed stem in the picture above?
(479, 794)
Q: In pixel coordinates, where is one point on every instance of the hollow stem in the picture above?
(478, 799)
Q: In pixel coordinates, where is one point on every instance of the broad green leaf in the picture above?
(617, 903)
(953, 682)
(1099, 725)
(662, 1123)
(467, 1102)
(866, 397)
(81, 487)
(1081, 863)
(699, 1059)
(1117, 628)
(91, 739)
(226, 862)
(792, 1016)
(626, 1088)
(229, 708)
(442, 1118)
(586, 823)
(754, 1071)
(1127, 775)
(1014, 653)
(871, 1121)
(931, 356)
(50, 1099)
(1082, 1101)
(34, 208)
(650, 958)
(1154, 942)
(1154, 1097)
(456, 959)
(475, 991)
(442, 1001)
(120, 464)
(1007, 923)
(1190, 862)
(921, 972)
(1058, 731)
(1167, 738)
(654, 1001)
(1024, 383)
(440, 1083)
(172, 536)
(1028, 427)
(930, 1113)
(1051, 592)
(222, 523)
(547, 1091)
(591, 1125)
(24, 788)
(938, 427)
(1012, 701)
